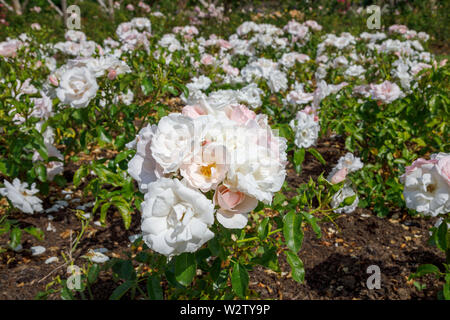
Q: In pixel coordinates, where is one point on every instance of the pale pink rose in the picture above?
(418, 163)
(224, 44)
(311, 110)
(144, 6)
(234, 207)
(36, 26)
(207, 168)
(313, 25)
(443, 63)
(100, 50)
(399, 28)
(339, 176)
(419, 67)
(207, 59)
(112, 74)
(36, 9)
(130, 7)
(230, 70)
(443, 166)
(386, 92)
(193, 111)
(9, 48)
(241, 114)
(53, 80)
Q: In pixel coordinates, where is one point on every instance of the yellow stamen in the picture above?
(206, 170)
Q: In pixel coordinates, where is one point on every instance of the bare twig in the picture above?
(111, 8)
(64, 10)
(6, 5)
(102, 4)
(17, 7)
(55, 7)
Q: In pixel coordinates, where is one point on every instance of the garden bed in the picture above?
(335, 265)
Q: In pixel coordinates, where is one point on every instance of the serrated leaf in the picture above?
(263, 229)
(298, 270)
(317, 155)
(292, 231)
(94, 270)
(121, 290)
(35, 232)
(425, 269)
(239, 279)
(15, 237)
(185, 268)
(154, 289)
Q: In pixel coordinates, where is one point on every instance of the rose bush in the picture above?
(191, 132)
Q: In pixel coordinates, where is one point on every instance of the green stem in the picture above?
(256, 238)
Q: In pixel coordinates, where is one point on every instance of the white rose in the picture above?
(142, 23)
(77, 87)
(171, 142)
(256, 172)
(220, 99)
(143, 167)
(426, 190)
(251, 95)
(257, 160)
(22, 198)
(340, 196)
(43, 107)
(175, 218)
(200, 83)
(306, 129)
(348, 162)
(277, 81)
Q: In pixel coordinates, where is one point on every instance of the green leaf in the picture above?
(239, 279)
(94, 270)
(425, 269)
(299, 157)
(103, 135)
(216, 249)
(147, 86)
(5, 226)
(125, 212)
(298, 271)
(278, 199)
(446, 291)
(313, 222)
(35, 232)
(121, 290)
(442, 236)
(66, 294)
(292, 231)
(79, 174)
(317, 155)
(15, 236)
(263, 229)
(185, 268)
(124, 270)
(349, 200)
(268, 259)
(154, 289)
(41, 172)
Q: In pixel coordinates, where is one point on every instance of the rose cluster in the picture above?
(204, 158)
